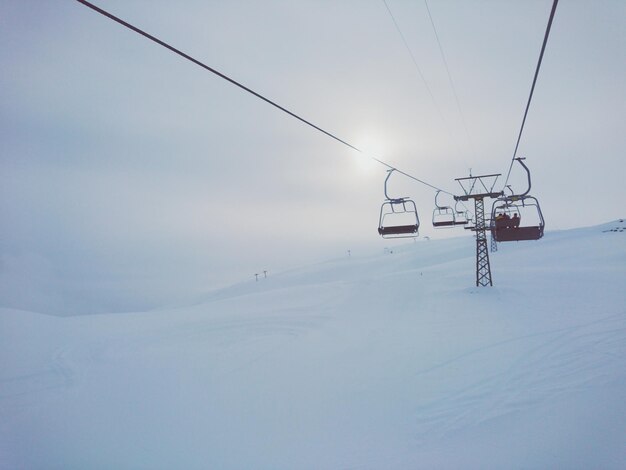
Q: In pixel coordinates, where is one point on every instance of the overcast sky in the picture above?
(131, 178)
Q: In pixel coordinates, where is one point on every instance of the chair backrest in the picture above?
(508, 234)
(397, 229)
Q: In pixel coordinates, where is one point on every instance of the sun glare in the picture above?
(373, 147)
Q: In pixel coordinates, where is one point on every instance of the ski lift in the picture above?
(461, 217)
(517, 217)
(398, 216)
(443, 216)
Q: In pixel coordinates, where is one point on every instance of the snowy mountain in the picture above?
(393, 360)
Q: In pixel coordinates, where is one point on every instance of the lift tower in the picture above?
(478, 188)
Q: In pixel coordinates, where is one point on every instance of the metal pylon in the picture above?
(494, 244)
(483, 268)
(478, 188)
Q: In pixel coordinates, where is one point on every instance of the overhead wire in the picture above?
(249, 90)
(532, 88)
(456, 96)
(420, 73)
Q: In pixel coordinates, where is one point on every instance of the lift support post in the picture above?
(478, 188)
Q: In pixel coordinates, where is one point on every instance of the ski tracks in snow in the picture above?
(535, 369)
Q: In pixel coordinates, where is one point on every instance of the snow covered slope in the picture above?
(388, 361)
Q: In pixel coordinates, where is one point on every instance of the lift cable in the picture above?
(456, 96)
(417, 67)
(532, 89)
(252, 92)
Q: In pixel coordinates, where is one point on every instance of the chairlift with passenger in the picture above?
(517, 217)
(398, 216)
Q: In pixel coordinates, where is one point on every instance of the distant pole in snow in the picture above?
(256, 277)
(264, 273)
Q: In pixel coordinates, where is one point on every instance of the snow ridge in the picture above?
(385, 361)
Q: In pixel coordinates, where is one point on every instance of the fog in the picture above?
(131, 179)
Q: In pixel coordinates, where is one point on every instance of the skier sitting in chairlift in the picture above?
(502, 220)
(514, 223)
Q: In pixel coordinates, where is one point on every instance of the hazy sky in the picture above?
(131, 178)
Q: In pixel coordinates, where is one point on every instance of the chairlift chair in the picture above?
(398, 216)
(525, 209)
(443, 216)
(461, 217)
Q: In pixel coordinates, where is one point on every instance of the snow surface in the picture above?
(386, 361)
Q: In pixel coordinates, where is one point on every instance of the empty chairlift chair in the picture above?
(398, 216)
(443, 216)
(461, 215)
